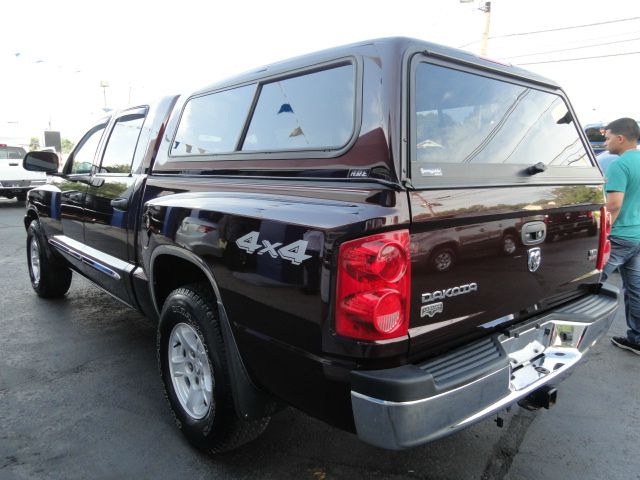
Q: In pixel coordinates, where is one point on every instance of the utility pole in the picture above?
(486, 8)
(487, 25)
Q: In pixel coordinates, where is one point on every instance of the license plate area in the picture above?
(540, 348)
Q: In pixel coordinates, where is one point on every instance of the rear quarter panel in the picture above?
(278, 302)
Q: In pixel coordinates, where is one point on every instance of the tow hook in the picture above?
(544, 397)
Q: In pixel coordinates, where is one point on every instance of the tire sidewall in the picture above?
(503, 246)
(34, 232)
(55, 276)
(180, 308)
(443, 250)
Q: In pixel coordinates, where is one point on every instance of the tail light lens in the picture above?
(205, 228)
(604, 249)
(372, 292)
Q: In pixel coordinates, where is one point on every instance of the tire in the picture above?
(554, 237)
(509, 244)
(49, 277)
(193, 367)
(443, 259)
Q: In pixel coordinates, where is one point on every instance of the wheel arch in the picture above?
(452, 244)
(29, 216)
(510, 231)
(186, 268)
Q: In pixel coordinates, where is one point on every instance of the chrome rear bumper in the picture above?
(414, 404)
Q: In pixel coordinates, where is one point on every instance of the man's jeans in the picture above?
(625, 257)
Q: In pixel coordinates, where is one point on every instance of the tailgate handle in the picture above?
(534, 233)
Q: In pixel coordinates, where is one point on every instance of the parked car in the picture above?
(278, 227)
(571, 222)
(595, 134)
(440, 250)
(605, 159)
(15, 181)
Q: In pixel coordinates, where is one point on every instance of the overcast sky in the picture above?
(55, 54)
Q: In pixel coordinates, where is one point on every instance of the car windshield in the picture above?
(12, 153)
(595, 133)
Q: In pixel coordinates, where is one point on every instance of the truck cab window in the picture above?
(81, 160)
(118, 154)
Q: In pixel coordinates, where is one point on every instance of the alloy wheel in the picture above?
(34, 259)
(190, 371)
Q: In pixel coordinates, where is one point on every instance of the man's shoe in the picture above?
(623, 342)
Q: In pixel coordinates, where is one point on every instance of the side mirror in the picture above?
(41, 162)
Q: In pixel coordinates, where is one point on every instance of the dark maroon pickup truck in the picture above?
(359, 233)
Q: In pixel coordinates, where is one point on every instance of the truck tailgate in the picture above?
(483, 258)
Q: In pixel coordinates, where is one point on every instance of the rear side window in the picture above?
(312, 110)
(212, 124)
(309, 111)
(466, 120)
(118, 154)
(12, 153)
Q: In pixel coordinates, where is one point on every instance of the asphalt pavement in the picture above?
(81, 397)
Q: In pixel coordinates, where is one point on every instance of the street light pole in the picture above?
(104, 84)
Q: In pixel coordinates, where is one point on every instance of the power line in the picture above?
(581, 58)
(558, 29)
(574, 48)
(602, 37)
(566, 28)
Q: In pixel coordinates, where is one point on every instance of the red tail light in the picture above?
(372, 293)
(205, 228)
(604, 249)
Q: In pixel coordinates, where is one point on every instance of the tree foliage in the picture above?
(67, 145)
(34, 143)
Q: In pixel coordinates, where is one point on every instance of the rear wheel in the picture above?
(509, 244)
(553, 237)
(193, 366)
(49, 277)
(443, 259)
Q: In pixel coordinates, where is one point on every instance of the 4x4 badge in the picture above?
(294, 252)
(534, 259)
(431, 309)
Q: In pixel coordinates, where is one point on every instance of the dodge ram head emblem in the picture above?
(534, 259)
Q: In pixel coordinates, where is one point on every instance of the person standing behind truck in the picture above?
(623, 201)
